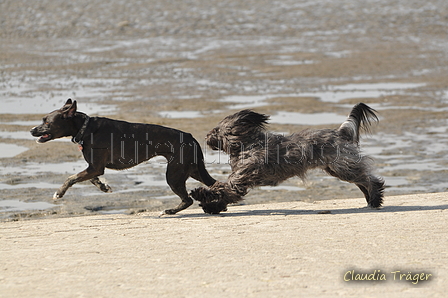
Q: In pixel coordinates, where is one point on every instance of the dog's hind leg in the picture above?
(371, 186)
(176, 179)
(101, 185)
(365, 191)
(376, 191)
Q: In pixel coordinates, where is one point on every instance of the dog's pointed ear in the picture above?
(70, 109)
(67, 105)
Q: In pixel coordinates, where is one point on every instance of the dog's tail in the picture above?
(360, 117)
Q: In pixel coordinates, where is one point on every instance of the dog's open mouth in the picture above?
(44, 138)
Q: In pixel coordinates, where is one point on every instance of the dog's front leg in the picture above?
(89, 173)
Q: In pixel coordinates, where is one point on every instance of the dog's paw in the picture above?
(101, 184)
(167, 212)
(106, 188)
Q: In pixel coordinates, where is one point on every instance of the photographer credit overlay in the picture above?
(416, 277)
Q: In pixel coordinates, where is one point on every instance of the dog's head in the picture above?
(241, 128)
(56, 124)
(211, 200)
(215, 207)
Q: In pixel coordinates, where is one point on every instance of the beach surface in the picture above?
(286, 249)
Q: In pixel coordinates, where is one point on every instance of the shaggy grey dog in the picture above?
(258, 157)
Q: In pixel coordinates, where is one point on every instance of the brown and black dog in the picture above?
(259, 157)
(118, 145)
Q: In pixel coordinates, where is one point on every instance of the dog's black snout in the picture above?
(34, 130)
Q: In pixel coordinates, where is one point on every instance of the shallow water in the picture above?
(361, 91)
(240, 102)
(332, 93)
(16, 205)
(10, 150)
(42, 105)
(180, 114)
(306, 119)
(33, 168)
(24, 96)
(18, 135)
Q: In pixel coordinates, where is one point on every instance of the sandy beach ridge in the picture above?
(291, 249)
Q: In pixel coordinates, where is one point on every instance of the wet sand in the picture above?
(290, 249)
(188, 65)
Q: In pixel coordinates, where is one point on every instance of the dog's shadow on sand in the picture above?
(338, 211)
(270, 212)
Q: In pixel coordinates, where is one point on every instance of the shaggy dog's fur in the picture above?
(258, 157)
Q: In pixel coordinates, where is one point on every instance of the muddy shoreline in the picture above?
(188, 67)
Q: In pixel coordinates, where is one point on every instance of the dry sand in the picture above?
(291, 249)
